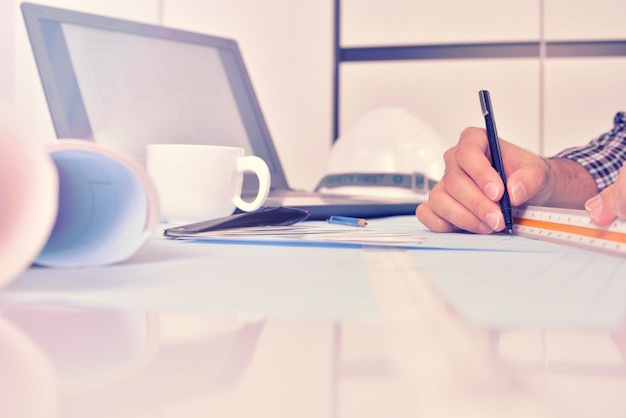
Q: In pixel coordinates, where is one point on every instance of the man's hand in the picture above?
(610, 204)
(467, 196)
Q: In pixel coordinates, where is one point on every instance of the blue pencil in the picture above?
(346, 220)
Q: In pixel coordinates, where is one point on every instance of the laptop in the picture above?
(125, 84)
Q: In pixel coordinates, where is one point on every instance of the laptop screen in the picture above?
(127, 84)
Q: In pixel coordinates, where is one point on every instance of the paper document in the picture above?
(400, 231)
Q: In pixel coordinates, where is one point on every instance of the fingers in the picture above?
(467, 198)
(529, 183)
(610, 204)
(442, 213)
(470, 156)
(464, 204)
(433, 221)
(601, 207)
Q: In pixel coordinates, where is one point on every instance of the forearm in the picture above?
(603, 156)
(569, 184)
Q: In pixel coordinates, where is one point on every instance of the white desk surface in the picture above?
(197, 329)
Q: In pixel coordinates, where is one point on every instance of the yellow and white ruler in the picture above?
(569, 226)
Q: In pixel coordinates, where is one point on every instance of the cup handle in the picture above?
(254, 164)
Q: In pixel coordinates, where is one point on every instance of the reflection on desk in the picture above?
(77, 362)
(471, 326)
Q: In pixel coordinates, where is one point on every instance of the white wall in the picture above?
(287, 46)
(543, 105)
(582, 94)
(444, 93)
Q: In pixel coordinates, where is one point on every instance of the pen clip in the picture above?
(483, 101)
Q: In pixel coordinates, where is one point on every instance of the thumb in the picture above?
(601, 207)
(608, 204)
(529, 184)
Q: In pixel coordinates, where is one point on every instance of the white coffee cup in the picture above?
(201, 182)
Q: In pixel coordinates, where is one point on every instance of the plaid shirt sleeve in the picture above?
(603, 156)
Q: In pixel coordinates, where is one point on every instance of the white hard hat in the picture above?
(388, 152)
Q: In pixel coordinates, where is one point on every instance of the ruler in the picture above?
(571, 227)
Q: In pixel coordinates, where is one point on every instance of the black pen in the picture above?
(496, 156)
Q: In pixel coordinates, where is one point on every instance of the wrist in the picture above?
(568, 184)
